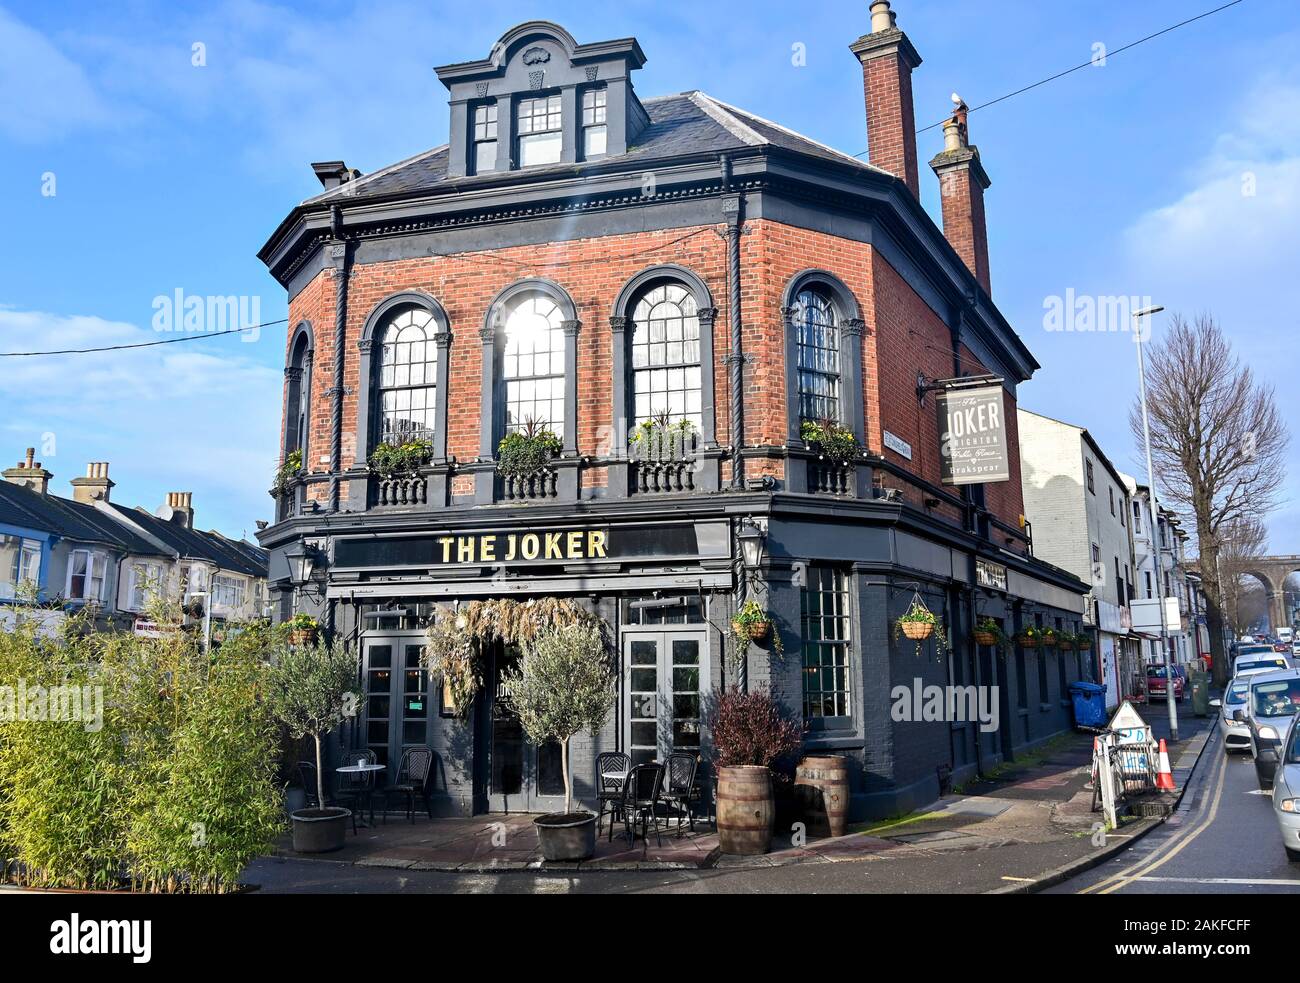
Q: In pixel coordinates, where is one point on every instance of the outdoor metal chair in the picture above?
(612, 768)
(357, 791)
(641, 802)
(307, 776)
(680, 791)
(415, 776)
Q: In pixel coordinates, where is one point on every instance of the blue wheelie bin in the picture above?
(1089, 701)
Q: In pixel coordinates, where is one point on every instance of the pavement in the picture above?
(1025, 827)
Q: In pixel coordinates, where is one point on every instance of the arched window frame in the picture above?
(368, 415)
(297, 376)
(849, 321)
(621, 327)
(493, 337)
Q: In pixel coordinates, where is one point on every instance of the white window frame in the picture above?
(149, 570)
(94, 559)
(237, 588)
(27, 563)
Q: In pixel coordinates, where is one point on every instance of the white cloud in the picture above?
(46, 94)
(201, 416)
(1227, 246)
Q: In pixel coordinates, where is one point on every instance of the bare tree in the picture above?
(1241, 543)
(1218, 444)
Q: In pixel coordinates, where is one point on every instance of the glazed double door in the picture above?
(665, 676)
(397, 713)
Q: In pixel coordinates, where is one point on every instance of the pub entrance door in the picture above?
(397, 708)
(512, 774)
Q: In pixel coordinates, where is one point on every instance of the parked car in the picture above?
(1236, 736)
(1286, 794)
(1271, 702)
(1154, 688)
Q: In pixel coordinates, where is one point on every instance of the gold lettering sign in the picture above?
(561, 546)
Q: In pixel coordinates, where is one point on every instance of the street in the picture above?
(1222, 840)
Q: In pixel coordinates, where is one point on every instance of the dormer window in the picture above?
(485, 138)
(540, 128)
(594, 130)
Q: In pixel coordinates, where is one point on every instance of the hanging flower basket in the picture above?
(755, 632)
(917, 631)
(918, 623)
(751, 623)
(302, 629)
(1065, 642)
(985, 638)
(1049, 638)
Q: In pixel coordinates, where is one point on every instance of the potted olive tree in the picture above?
(311, 693)
(564, 684)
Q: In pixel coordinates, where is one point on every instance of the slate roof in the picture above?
(22, 506)
(681, 125)
(195, 544)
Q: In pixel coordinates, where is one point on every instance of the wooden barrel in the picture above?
(745, 809)
(821, 787)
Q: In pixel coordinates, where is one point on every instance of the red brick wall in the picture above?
(964, 221)
(891, 119)
(903, 335)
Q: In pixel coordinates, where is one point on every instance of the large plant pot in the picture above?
(745, 809)
(566, 835)
(320, 830)
(821, 784)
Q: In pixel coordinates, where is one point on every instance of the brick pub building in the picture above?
(579, 255)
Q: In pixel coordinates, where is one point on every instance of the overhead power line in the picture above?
(146, 344)
(1083, 65)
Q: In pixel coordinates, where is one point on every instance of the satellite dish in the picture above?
(165, 512)
(956, 99)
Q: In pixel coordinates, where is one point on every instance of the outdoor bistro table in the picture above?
(362, 770)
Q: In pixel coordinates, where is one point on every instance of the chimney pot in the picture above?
(882, 18)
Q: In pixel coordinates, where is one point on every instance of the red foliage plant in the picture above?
(750, 729)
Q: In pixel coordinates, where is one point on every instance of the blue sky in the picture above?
(1124, 179)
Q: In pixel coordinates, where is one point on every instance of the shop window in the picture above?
(824, 626)
(666, 377)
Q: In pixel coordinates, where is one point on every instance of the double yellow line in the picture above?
(1204, 817)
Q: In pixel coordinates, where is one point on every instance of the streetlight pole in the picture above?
(1155, 518)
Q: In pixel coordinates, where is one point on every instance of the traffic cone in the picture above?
(1164, 775)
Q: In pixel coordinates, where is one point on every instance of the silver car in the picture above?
(1236, 735)
(1271, 702)
(1286, 794)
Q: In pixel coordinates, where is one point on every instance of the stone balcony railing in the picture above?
(401, 490)
(827, 477)
(538, 486)
(664, 462)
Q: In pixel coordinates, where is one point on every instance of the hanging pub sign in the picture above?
(973, 436)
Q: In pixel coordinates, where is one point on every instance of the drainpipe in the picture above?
(733, 211)
(336, 252)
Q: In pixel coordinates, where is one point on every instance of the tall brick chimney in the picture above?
(178, 509)
(887, 58)
(95, 486)
(29, 472)
(962, 181)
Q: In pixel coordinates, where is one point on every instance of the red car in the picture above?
(1155, 683)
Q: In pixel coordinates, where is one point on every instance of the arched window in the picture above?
(297, 407)
(666, 384)
(817, 341)
(532, 363)
(408, 374)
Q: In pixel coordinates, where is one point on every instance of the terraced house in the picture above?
(767, 372)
